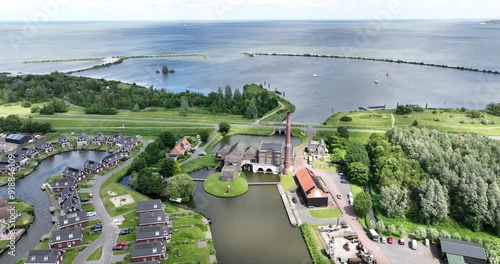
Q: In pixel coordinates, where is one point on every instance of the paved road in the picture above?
(110, 230)
(199, 150)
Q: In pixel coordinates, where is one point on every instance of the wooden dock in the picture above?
(286, 203)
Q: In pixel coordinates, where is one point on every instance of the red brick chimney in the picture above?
(288, 145)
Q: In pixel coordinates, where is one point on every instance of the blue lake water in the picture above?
(342, 85)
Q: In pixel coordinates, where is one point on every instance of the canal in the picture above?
(28, 189)
(254, 227)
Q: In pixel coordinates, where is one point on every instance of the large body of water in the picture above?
(28, 189)
(342, 85)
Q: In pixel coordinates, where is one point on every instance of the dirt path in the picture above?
(282, 106)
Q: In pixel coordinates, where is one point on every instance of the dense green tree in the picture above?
(380, 226)
(415, 123)
(420, 233)
(433, 202)
(251, 111)
(432, 234)
(356, 152)
(136, 108)
(401, 230)
(47, 109)
(393, 201)
(167, 167)
(204, 135)
(362, 204)
(343, 132)
(474, 114)
(150, 184)
(180, 186)
(493, 108)
(224, 128)
(358, 173)
(228, 92)
(237, 95)
(184, 109)
(220, 92)
(336, 156)
(403, 110)
(392, 229)
(167, 139)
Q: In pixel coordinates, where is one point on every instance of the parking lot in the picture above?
(404, 254)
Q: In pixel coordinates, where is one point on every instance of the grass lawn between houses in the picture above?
(325, 213)
(288, 181)
(214, 186)
(96, 255)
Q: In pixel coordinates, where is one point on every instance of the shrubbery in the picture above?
(312, 246)
(346, 119)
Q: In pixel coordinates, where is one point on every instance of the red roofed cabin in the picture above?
(180, 149)
(310, 189)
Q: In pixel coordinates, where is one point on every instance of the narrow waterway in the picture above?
(28, 189)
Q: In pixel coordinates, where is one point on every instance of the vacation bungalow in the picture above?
(29, 153)
(69, 200)
(125, 150)
(158, 218)
(182, 147)
(17, 160)
(150, 206)
(7, 147)
(73, 173)
(59, 184)
(93, 167)
(63, 141)
(113, 140)
(45, 256)
(148, 234)
(111, 160)
(310, 189)
(5, 169)
(42, 146)
(132, 141)
(148, 252)
(66, 238)
(73, 220)
(82, 140)
(456, 251)
(317, 148)
(99, 139)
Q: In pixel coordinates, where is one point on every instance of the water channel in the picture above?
(28, 189)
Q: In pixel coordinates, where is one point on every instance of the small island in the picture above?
(491, 22)
(215, 185)
(166, 70)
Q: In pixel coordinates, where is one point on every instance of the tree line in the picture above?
(13, 123)
(99, 96)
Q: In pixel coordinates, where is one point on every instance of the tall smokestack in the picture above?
(288, 144)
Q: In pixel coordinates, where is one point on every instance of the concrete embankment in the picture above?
(292, 215)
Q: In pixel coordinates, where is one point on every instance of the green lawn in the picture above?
(355, 189)
(127, 238)
(4, 244)
(89, 237)
(187, 234)
(325, 213)
(287, 181)
(70, 254)
(88, 207)
(96, 255)
(214, 186)
(250, 130)
(190, 253)
(187, 220)
(450, 120)
(131, 220)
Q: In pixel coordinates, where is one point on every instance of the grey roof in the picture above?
(100, 137)
(62, 182)
(145, 232)
(115, 137)
(149, 205)
(43, 255)
(22, 151)
(73, 218)
(91, 165)
(71, 204)
(128, 140)
(82, 137)
(148, 262)
(16, 136)
(72, 172)
(111, 158)
(42, 144)
(62, 138)
(5, 158)
(68, 234)
(272, 146)
(147, 249)
(125, 148)
(462, 248)
(152, 218)
(69, 190)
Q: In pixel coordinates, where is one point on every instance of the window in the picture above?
(58, 238)
(65, 222)
(70, 235)
(159, 218)
(154, 250)
(45, 258)
(155, 206)
(77, 218)
(33, 258)
(60, 245)
(157, 233)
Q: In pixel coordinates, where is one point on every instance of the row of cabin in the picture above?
(14, 161)
(152, 232)
(99, 140)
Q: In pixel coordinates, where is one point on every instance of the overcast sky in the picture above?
(88, 10)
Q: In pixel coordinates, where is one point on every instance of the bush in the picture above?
(371, 224)
(436, 119)
(35, 109)
(47, 110)
(434, 111)
(380, 226)
(462, 122)
(445, 234)
(26, 104)
(415, 123)
(466, 238)
(474, 114)
(432, 234)
(312, 246)
(96, 110)
(346, 119)
(343, 132)
(420, 233)
(404, 110)
(456, 236)
(418, 109)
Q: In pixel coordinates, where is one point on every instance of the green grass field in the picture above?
(450, 120)
(96, 255)
(216, 187)
(325, 213)
(287, 181)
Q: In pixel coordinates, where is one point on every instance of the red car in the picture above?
(389, 240)
(401, 241)
(294, 200)
(121, 244)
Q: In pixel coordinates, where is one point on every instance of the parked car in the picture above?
(91, 213)
(121, 244)
(90, 195)
(383, 239)
(344, 182)
(118, 248)
(83, 200)
(124, 158)
(339, 196)
(294, 200)
(96, 228)
(401, 241)
(124, 231)
(389, 240)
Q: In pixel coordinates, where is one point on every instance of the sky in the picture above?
(99, 10)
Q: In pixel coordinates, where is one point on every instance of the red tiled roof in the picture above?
(182, 147)
(306, 182)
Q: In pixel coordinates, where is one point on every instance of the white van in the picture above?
(351, 201)
(349, 195)
(413, 244)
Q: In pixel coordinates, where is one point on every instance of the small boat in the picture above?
(376, 81)
(387, 74)
(315, 75)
